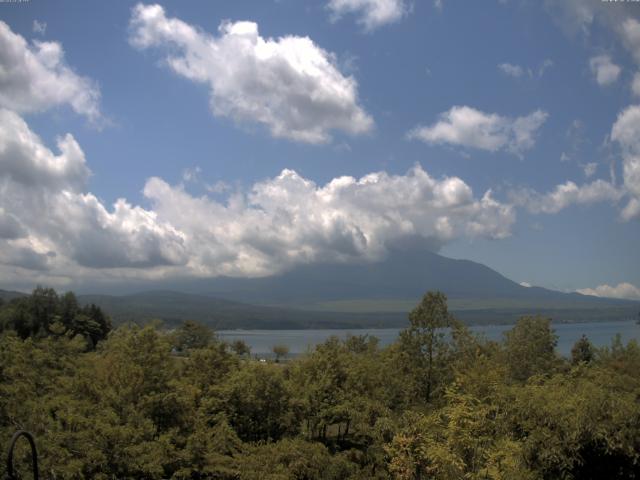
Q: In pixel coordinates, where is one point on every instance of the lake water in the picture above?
(299, 341)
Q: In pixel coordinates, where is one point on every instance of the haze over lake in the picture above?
(261, 341)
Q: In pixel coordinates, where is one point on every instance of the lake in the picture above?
(299, 341)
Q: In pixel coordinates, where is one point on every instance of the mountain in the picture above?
(403, 276)
(173, 307)
(350, 296)
(365, 295)
(8, 295)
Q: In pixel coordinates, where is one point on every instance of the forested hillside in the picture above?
(148, 403)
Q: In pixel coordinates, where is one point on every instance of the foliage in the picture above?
(280, 351)
(424, 346)
(530, 348)
(437, 404)
(44, 313)
(582, 351)
(191, 335)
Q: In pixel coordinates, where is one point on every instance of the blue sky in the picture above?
(515, 97)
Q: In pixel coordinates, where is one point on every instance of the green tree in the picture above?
(257, 402)
(424, 344)
(530, 348)
(280, 351)
(582, 351)
(294, 459)
(241, 348)
(192, 335)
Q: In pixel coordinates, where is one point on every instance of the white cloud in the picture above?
(605, 71)
(35, 77)
(468, 127)
(518, 71)
(626, 132)
(526, 284)
(290, 85)
(565, 195)
(630, 32)
(218, 187)
(622, 290)
(290, 220)
(511, 70)
(50, 224)
(25, 161)
(371, 13)
(48, 220)
(39, 27)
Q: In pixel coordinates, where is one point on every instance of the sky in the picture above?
(145, 142)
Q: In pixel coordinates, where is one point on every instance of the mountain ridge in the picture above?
(356, 295)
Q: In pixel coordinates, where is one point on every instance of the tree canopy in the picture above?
(439, 403)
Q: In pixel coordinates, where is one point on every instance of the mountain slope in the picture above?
(7, 295)
(402, 276)
(174, 307)
(351, 296)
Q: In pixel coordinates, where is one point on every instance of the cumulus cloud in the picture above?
(371, 13)
(48, 218)
(27, 162)
(604, 70)
(289, 220)
(626, 132)
(289, 84)
(565, 195)
(622, 290)
(467, 127)
(35, 77)
(50, 223)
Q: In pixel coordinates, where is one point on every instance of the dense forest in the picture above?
(147, 402)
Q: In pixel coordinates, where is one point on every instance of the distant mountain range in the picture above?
(7, 295)
(173, 307)
(364, 295)
(401, 276)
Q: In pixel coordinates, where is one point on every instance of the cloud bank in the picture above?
(623, 290)
(50, 223)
